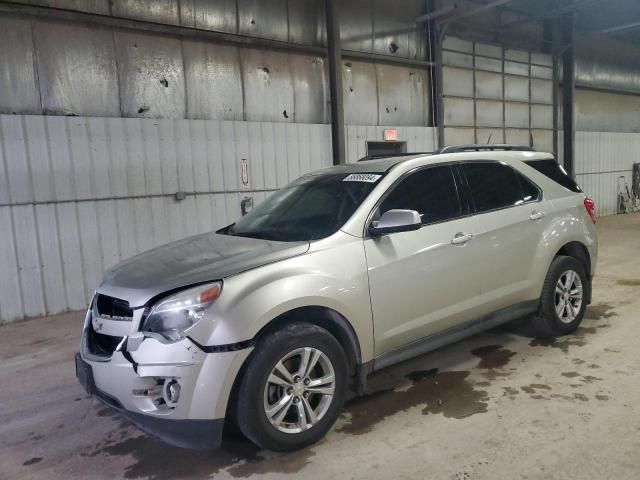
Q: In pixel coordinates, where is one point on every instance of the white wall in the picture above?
(79, 194)
(601, 158)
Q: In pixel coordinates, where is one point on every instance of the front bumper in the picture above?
(132, 378)
(186, 433)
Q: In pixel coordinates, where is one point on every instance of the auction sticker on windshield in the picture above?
(362, 177)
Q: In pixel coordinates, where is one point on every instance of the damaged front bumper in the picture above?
(186, 433)
(173, 391)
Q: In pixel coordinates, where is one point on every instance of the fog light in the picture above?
(171, 392)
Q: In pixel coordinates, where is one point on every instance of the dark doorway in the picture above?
(385, 149)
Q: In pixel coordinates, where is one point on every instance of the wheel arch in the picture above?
(580, 252)
(329, 319)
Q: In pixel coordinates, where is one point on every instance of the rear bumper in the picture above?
(185, 433)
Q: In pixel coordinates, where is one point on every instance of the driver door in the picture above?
(423, 281)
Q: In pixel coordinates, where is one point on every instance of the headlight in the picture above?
(173, 315)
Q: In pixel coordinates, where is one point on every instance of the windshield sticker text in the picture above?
(362, 177)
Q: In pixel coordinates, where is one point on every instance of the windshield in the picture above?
(312, 207)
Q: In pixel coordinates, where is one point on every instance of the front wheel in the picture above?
(293, 389)
(563, 299)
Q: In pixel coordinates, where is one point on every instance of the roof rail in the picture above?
(482, 147)
(378, 156)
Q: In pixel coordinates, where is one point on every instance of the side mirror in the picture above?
(393, 221)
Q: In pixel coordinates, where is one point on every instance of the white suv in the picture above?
(349, 269)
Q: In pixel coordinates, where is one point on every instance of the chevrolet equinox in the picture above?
(347, 270)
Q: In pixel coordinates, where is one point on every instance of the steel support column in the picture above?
(437, 93)
(550, 36)
(435, 35)
(335, 84)
(568, 89)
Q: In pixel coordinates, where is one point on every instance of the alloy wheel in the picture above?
(299, 390)
(568, 296)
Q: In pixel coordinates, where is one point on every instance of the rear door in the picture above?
(510, 216)
(421, 282)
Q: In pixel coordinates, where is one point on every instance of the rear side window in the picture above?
(553, 170)
(493, 185)
(431, 192)
(530, 191)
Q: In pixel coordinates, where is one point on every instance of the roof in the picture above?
(381, 165)
(452, 153)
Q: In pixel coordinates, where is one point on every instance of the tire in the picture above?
(549, 321)
(258, 393)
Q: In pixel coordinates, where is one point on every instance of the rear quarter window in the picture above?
(553, 170)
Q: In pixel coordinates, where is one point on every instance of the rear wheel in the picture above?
(563, 299)
(293, 389)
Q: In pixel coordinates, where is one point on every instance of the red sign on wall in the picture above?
(390, 134)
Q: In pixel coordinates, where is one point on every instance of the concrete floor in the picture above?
(500, 405)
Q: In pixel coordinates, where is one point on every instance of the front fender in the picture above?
(333, 274)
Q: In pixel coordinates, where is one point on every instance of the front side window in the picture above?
(312, 207)
(431, 192)
(493, 185)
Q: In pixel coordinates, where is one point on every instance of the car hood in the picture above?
(196, 259)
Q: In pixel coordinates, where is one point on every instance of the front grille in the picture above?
(113, 307)
(100, 344)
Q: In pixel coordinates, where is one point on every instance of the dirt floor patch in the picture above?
(158, 461)
(600, 311)
(629, 282)
(590, 379)
(283, 464)
(533, 387)
(492, 356)
(561, 344)
(448, 393)
(511, 391)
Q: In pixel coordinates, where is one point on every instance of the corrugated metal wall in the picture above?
(365, 25)
(64, 68)
(599, 111)
(601, 159)
(79, 194)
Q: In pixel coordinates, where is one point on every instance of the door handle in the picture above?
(461, 238)
(536, 215)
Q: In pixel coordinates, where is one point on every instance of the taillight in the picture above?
(590, 205)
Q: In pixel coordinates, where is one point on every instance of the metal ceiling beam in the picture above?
(197, 33)
(476, 11)
(618, 29)
(604, 33)
(427, 17)
(550, 14)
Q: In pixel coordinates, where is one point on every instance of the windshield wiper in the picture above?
(228, 230)
(262, 235)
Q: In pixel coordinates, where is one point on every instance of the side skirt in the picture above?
(440, 339)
